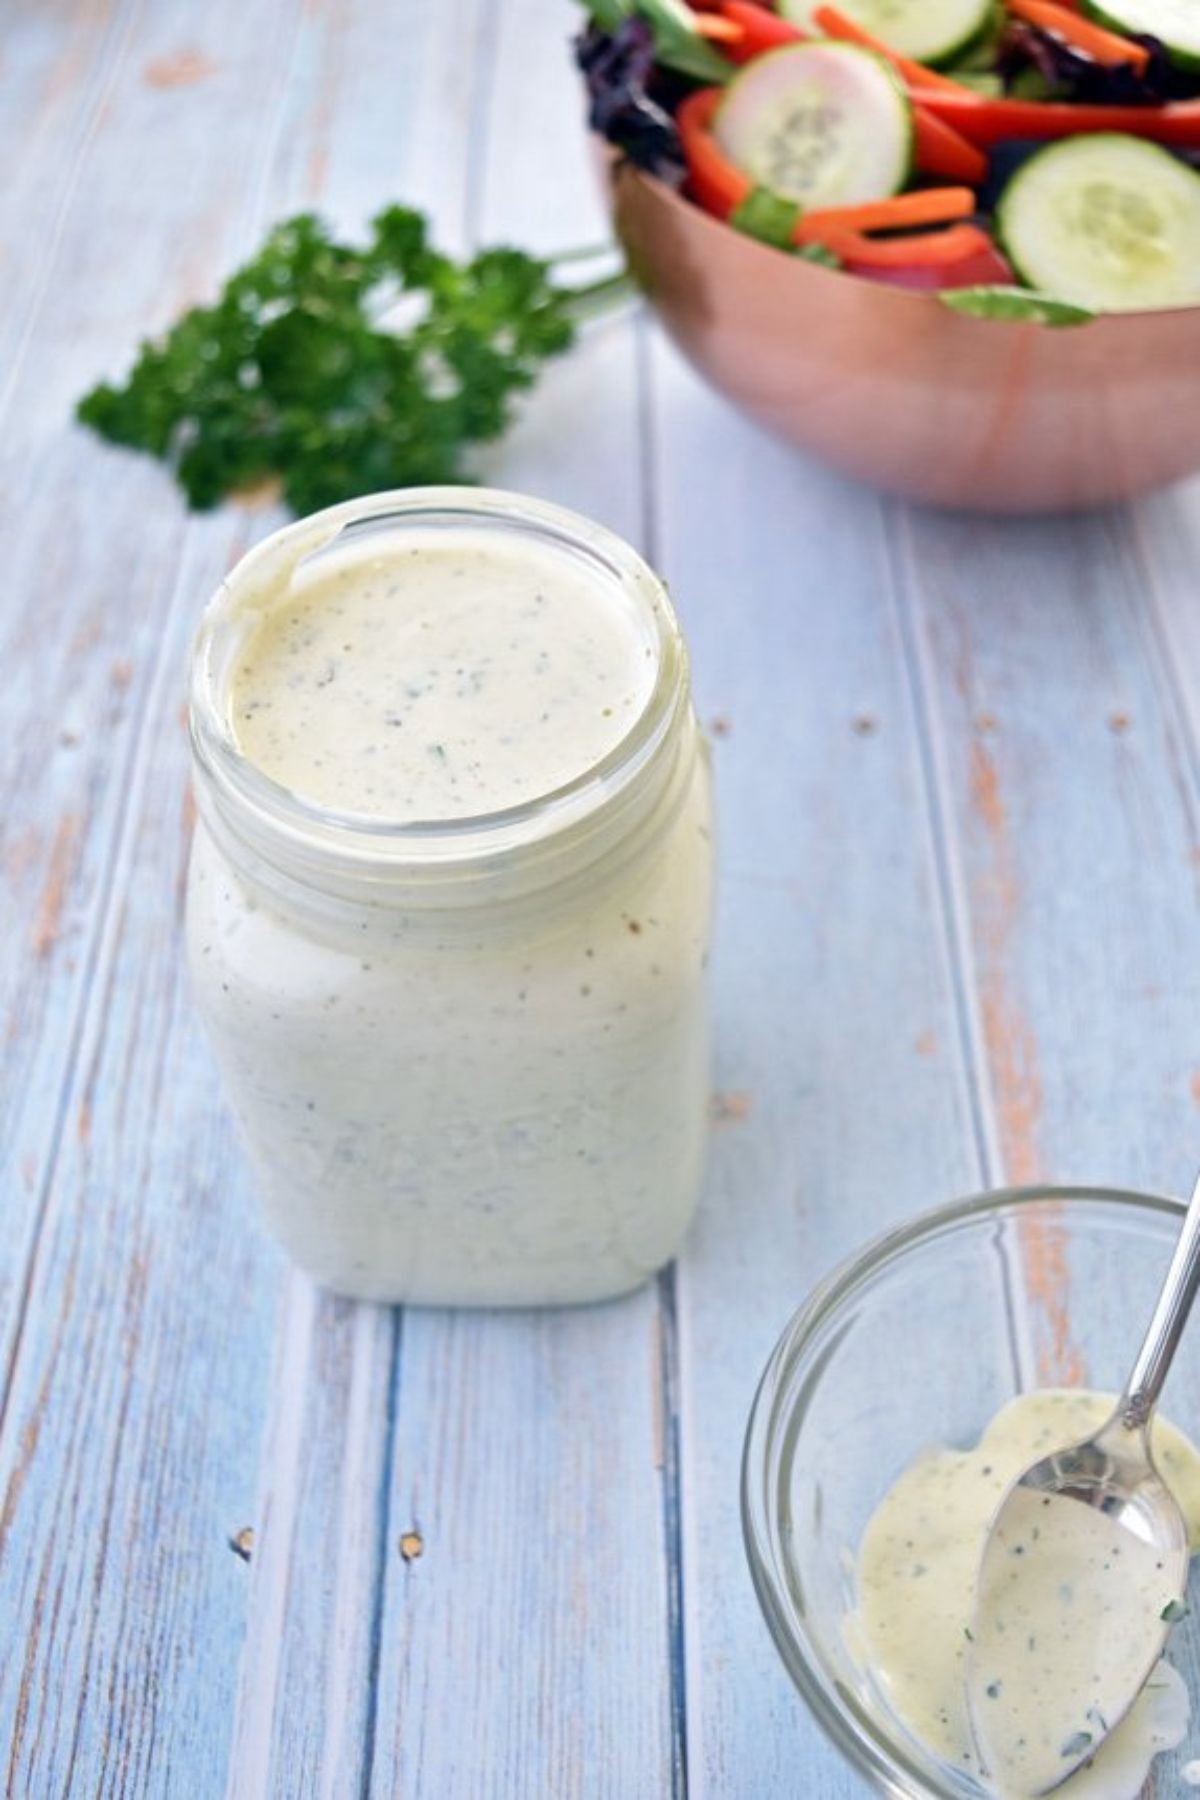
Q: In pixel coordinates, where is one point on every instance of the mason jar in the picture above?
(468, 1055)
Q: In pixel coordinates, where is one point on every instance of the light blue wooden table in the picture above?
(959, 781)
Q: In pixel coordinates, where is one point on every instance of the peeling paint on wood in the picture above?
(184, 68)
(48, 918)
(730, 1109)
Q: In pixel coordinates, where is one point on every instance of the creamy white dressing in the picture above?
(917, 1623)
(493, 1091)
(1068, 1620)
(446, 678)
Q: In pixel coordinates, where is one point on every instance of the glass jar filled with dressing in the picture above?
(450, 897)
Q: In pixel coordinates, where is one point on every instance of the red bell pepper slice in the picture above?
(985, 121)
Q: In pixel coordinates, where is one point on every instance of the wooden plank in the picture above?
(1164, 536)
(306, 1687)
(85, 624)
(99, 1440)
(1072, 785)
(840, 1042)
(58, 70)
(137, 1391)
(1062, 759)
(526, 1650)
(305, 1704)
(131, 1440)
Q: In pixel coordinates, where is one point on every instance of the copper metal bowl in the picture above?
(894, 388)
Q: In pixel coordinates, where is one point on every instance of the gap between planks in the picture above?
(383, 1529)
(1165, 656)
(678, 1538)
(954, 914)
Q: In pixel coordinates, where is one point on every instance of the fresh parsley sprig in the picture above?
(340, 370)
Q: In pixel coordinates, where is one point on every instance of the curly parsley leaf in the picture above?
(340, 370)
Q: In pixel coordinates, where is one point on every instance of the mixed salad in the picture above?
(1021, 157)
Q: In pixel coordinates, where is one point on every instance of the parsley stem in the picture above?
(581, 253)
(597, 297)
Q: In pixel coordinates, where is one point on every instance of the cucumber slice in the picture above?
(930, 31)
(1107, 221)
(822, 124)
(1175, 23)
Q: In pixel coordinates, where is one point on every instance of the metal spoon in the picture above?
(1040, 1537)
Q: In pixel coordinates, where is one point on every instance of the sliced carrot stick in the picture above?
(717, 28)
(930, 206)
(1105, 47)
(761, 30)
(940, 150)
(836, 25)
(925, 249)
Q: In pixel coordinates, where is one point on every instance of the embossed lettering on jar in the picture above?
(449, 904)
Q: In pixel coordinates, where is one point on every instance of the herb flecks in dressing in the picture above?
(917, 1569)
(1067, 1620)
(455, 679)
(476, 1070)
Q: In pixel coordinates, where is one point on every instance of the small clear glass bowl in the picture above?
(912, 1345)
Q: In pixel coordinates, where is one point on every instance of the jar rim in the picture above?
(365, 839)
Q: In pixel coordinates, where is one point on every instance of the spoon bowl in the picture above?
(1081, 1576)
(1087, 1558)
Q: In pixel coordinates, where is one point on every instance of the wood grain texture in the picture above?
(396, 123)
(1054, 699)
(958, 769)
(531, 1452)
(84, 621)
(837, 1031)
(1066, 775)
(141, 1383)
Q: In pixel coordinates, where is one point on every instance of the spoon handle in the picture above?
(1166, 1327)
